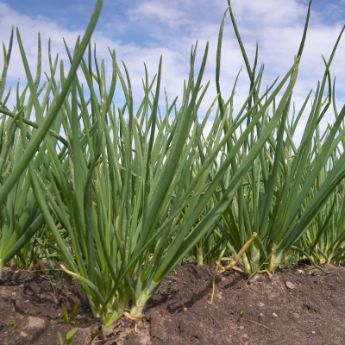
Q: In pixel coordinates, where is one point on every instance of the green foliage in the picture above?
(121, 190)
(282, 193)
(67, 340)
(19, 217)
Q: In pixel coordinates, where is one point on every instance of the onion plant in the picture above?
(21, 137)
(324, 241)
(128, 192)
(279, 196)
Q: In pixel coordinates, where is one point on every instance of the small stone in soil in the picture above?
(290, 285)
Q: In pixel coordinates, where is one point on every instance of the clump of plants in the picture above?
(121, 194)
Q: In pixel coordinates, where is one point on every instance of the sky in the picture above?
(141, 30)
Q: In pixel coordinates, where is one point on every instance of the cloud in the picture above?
(269, 12)
(148, 11)
(29, 28)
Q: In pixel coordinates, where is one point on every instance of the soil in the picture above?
(299, 305)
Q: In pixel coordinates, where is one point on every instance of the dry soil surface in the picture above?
(297, 306)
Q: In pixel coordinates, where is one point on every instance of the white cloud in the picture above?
(29, 29)
(154, 10)
(269, 12)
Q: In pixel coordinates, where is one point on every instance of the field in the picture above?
(130, 219)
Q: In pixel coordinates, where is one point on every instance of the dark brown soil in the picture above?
(32, 305)
(296, 306)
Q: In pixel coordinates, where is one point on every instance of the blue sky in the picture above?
(141, 30)
(74, 14)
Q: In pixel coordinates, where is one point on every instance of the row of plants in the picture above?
(119, 193)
